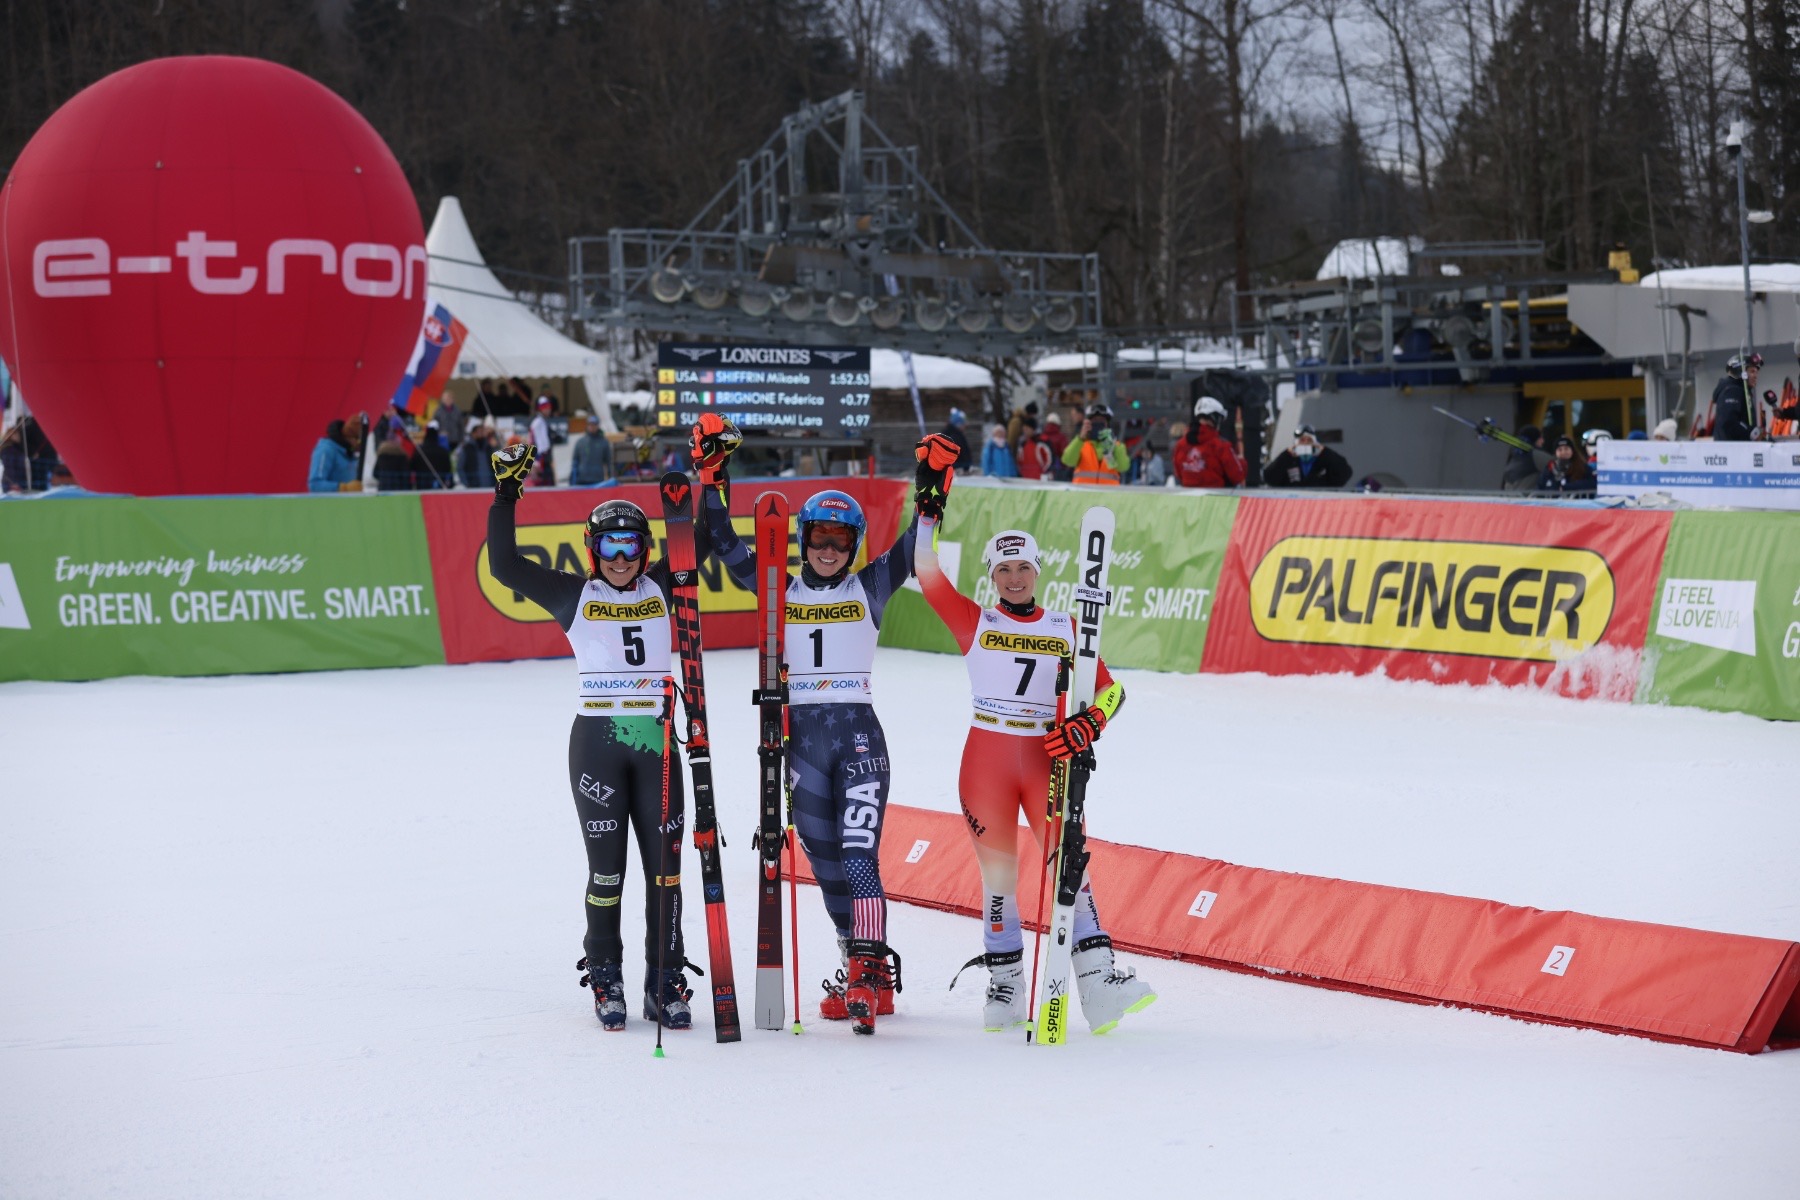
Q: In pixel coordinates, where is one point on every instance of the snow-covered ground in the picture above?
(313, 935)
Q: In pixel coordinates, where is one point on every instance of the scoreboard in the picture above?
(819, 390)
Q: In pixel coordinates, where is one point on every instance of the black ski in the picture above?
(684, 590)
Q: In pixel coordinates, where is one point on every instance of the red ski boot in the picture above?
(870, 984)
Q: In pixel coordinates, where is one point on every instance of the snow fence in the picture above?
(1718, 990)
(1695, 607)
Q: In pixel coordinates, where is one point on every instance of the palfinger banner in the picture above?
(1169, 546)
(97, 588)
(484, 621)
(1725, 630)
(1440, 591)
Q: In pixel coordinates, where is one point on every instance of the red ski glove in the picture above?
(1070, 737)
(714, 439)
(937, 456)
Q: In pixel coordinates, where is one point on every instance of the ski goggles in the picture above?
(619, 543)
(830, 536)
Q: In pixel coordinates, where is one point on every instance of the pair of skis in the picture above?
(771, 698)
(1068, 859)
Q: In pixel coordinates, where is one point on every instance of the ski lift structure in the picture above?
(829, 234)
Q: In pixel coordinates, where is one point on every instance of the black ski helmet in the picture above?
(1099, 409)
(614, 515)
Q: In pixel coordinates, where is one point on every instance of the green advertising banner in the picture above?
(94, 588)
(1725, 630)
(1165, 570)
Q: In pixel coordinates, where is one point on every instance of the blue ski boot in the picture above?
(668, 992)
(608, 982)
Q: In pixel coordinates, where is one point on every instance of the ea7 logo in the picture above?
(594, 790)
(85, 266)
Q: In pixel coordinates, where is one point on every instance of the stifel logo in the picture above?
(1539, 603)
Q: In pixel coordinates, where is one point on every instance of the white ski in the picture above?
(1069, 869)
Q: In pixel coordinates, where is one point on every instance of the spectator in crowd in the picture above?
(492, 401)
(433, 467)
(1035, 455)
(1590, 442)
(1731, 413)
(1058, 441)
(1666, 431)
(1309, 463)
(27, 459)
(1096, 456)
(1202, 457)
(1784, 412)
(1015, 428)
(953, 429)
(394, 462)
(337, 459)
(1147, 465)
(996, 459)
(543, 441)
(1521, 474)
(1566, 474)
(592, 461)
(472, 465)
(451, 421)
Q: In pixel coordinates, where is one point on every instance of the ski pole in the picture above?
(662, 869)
(794, 910)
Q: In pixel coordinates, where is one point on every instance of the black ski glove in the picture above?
(511, 466)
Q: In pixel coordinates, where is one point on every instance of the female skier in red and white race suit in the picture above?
(1013, 651)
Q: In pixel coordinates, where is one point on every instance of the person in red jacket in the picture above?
(1204, 459)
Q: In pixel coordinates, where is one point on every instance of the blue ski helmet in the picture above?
(832, 508)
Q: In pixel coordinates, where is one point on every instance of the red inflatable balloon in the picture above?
(206, 260)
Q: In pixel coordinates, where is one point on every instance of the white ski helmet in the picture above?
(1011, 545)
(1206, 406)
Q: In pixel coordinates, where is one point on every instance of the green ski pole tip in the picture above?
(659, 1053)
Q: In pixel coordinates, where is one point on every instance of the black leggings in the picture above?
(616, 776)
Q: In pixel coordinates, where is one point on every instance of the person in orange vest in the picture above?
(1784, 414)
(1095, 454)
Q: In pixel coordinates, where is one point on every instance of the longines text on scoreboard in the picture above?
(764, 389)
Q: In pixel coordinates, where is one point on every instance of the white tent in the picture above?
(505, 337)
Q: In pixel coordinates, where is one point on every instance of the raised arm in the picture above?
(888, 574)
(730, 549)
(556, 592)
(959, 613)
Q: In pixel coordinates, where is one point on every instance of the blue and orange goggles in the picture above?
(619, 543)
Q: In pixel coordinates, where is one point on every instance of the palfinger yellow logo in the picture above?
(560, 548)
(1024, 643)
(1540, 603)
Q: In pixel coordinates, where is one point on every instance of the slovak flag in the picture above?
(440, 342)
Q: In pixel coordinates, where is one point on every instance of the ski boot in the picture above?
(869, 983)
(608, 983)
(666, 996)
(1006, 1000)
(1108, 995)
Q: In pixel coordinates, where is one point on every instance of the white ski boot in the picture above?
(1108, 995)
(1006, 999)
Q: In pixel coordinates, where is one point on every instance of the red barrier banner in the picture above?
(1717, 990)
(482, 621)
(1444, 592)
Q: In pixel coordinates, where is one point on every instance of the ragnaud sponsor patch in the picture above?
(825, 614)
(1540, 603)
(643, 610)
(1024, 643)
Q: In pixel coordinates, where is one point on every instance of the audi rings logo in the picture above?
(596, 828)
